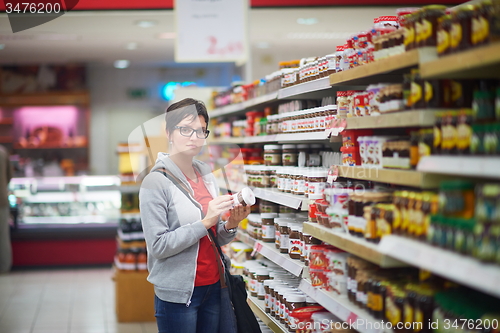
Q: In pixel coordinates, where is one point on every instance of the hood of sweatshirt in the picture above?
(163, 161)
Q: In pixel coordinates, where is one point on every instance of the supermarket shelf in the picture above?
(351, 244)
(288, 137)
(260, 100)
(260, 139)
(270, 194)
(417, 118)
(392, 176)
(269, 251)
(451, 265)
(259, 309)
(299, 137)
(282, 198)
(473, 166)
(304, 88)
(362, 74)
(227, 141)
(245, 238)
(481, 62)
(226, 110)
(239, 107)
(341, 307)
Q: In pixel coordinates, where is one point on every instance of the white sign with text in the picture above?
(211, 30)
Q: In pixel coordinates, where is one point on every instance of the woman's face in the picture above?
(190, 146)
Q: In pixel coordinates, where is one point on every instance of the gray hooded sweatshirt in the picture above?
(173, 228)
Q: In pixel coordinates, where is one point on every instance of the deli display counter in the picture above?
(65, 220)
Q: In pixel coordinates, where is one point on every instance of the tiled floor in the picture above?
(62, 301)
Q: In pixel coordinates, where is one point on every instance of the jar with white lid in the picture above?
(293, 301)
(314, 159)
(317, 183)
(294, 242)
(283, 233)
(261, 275)
(280, 184)
(293, 177)
(268, 230)
(279, 301)
(303, 151)
(272, 154)
(288, 179)
(289, 155)
(301, 181)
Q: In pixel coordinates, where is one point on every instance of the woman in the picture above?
(182, 264)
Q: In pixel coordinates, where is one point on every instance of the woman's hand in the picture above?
(237, 214)
(216, 207)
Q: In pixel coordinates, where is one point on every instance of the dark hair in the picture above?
(183, 110)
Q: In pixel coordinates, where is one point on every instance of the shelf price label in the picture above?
(257, 248)
(333, 174)
(338, 126)
(352, 318)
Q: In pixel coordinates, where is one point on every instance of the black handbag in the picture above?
(245, 318)
(236, 315)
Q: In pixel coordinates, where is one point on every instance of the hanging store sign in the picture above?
(211, 30)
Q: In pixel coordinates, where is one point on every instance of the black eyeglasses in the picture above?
(188, 131)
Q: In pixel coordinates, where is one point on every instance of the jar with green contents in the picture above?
(289, 155)
(457, 198)
(432, 230)
(483, 105)
(490, 140)
(477, 139)
(272, 154)
(464, 238)
(488, 203)
(486, 241)
(470, 240)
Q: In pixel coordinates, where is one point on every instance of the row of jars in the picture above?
(453, 29)
(301, 155)
(309, 182)
(309, 71)
(301, 121)
(285, 231)
(278, 289)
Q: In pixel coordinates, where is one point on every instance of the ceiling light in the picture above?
(2, 46)
(122, 64)
(146, 24)
(263, 45)
(307, 21)
(131, 46)
(167, 35)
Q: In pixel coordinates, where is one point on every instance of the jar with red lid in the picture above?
(339, 58)
(350, 156)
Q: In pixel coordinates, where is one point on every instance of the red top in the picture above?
(207, 271)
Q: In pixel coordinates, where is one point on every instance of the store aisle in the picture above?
(62, 301)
